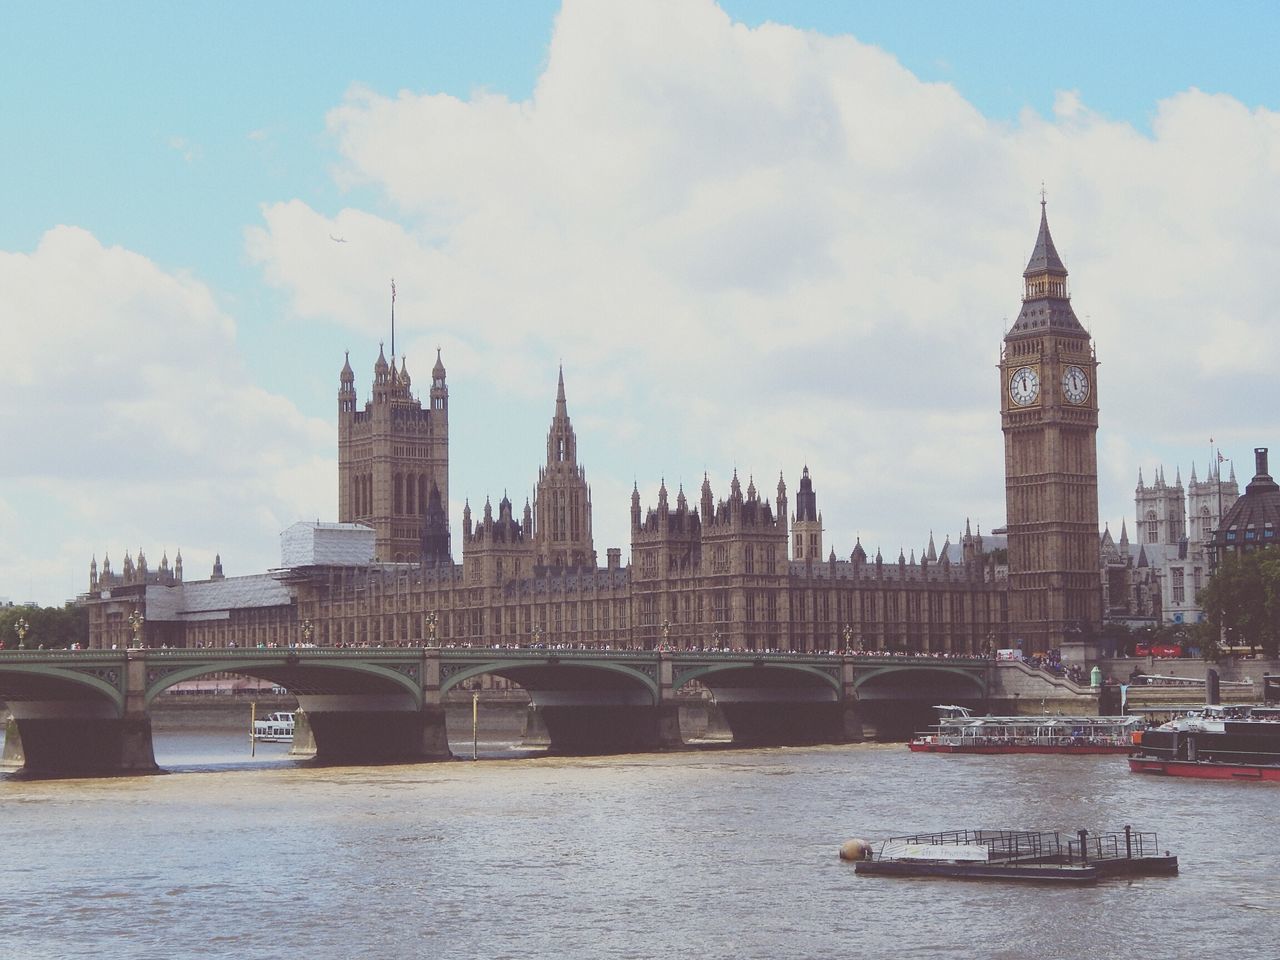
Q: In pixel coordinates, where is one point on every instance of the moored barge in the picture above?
(1022, 855)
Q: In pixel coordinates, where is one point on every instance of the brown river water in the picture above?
(702, 853)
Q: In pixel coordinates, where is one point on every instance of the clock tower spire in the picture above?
(1049, 415)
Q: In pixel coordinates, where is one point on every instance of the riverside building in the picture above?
(740, 570)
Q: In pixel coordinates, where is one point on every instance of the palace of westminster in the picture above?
(742, 571)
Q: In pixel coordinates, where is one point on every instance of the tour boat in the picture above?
(274, 727)
(960, 732)
(1233, 742)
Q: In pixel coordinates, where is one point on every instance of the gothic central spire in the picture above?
(1046, 302)
(1044, 258)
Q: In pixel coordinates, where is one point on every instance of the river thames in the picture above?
(706, 854)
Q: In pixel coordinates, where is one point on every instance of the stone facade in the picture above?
(737, 571)
(1174, 531)
(1049, 414)
(716, 574)
(393, 460)
(1253, 521)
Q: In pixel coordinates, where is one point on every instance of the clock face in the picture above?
(1075, 385)
(1024, 386)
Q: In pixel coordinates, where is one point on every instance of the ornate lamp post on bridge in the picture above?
(308, 628)
(537, 635)
(431, 629)
(136, 620)
(20, 628)
(666, 634)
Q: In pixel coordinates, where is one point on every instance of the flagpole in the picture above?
(1218, 467)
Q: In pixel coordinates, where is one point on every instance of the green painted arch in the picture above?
(96, 684)
(976, 677)
(699, 672)
(495, 666)
(251, 667)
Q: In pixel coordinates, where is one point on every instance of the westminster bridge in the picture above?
(88, 711)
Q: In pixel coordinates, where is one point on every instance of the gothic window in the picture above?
(649, 563)
(768, 559)
(720, 606)
(751, 607)
(750, 559)
(799, 546)
(1179, 591)
(398, 487)
(1153, 527)
(1197, 574)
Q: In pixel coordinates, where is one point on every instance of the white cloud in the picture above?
(751, 248)
(190, 152)
(132, 422)
(765, 246)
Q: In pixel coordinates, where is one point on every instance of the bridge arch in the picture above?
(760, 669)
(551, 673)
(902, 681)
(34, 682)
(298, 677)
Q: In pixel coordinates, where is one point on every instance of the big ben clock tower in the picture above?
(1049, 414)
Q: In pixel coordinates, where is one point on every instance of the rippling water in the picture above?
(717, 854)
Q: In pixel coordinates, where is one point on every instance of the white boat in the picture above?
(960, 732)
(274, 727)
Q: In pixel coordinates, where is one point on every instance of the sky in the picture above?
(758, 235)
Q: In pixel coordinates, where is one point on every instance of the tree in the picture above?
(49, 627)
(1242, 602)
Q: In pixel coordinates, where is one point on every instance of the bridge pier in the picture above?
(356, 729)
(68, 740)
(852, 726)
(536, 733)
(580, 728)
(773, 723)
(304, 739)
